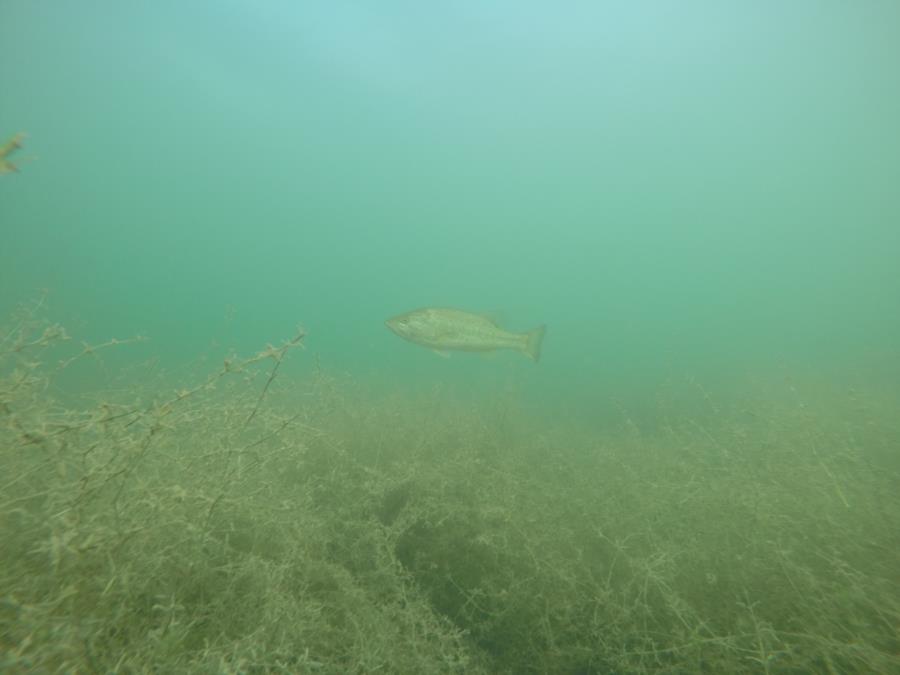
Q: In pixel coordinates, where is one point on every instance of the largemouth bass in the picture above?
(445, 330)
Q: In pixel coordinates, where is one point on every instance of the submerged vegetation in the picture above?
(250, 524)
(7, 150)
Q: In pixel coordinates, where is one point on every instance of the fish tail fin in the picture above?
(533, 342)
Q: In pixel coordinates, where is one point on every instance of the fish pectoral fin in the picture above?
(441, 353)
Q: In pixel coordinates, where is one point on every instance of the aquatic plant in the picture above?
(235, 521)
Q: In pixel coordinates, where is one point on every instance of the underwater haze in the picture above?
(700, 202)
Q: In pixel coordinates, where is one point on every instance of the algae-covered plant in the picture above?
(7, 149)
(238, 522)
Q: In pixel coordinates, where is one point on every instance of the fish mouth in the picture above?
(397, 327)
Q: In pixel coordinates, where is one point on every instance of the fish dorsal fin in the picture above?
(494, 316)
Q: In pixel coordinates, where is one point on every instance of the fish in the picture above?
(443, 330)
